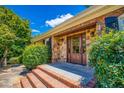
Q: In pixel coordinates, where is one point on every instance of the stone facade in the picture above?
(59, 44)
(59, 49)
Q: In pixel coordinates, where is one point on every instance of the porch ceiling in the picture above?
(77, 28)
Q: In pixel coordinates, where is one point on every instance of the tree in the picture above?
(7, 39)
(20, 27)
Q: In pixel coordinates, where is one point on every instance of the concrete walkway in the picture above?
(10, 76)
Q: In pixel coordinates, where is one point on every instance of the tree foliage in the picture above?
(19, 27)
(106, 54)
(7, 39)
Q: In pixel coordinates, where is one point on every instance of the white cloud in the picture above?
(58, 20)
(35, 31)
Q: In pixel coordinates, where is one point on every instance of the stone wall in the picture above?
(59, 49)
(63, 49)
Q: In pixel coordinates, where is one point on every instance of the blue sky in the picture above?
(45, 17)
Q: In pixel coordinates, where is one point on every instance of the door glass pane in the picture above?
(75, 45)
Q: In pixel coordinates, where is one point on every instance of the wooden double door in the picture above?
(76, 49)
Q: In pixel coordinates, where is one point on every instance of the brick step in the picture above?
(35, 82)
(25, 83)
(48, 80)
(67, 81)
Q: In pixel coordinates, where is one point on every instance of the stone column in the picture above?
(52, 47)
(87, 44)
(66, 51)
(55, 49)
(100, 25)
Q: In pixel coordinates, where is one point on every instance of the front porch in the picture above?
(78, 73)
(60, 75)
(72, 47)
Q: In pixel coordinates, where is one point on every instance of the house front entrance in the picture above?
(76, 49)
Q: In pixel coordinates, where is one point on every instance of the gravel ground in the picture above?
(12, 75)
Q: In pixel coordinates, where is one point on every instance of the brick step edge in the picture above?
(60, 77)
(25, 83)
(48, 80)
(34, 81)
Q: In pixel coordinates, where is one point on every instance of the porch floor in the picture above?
(59, 75)
(80, 73)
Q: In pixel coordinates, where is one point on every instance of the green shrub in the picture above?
(106, 54)
(20, 59)
(34, 55)
(14, 60)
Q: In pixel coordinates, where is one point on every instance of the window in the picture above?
(111, 22)
(76, 45)
(121, 22)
